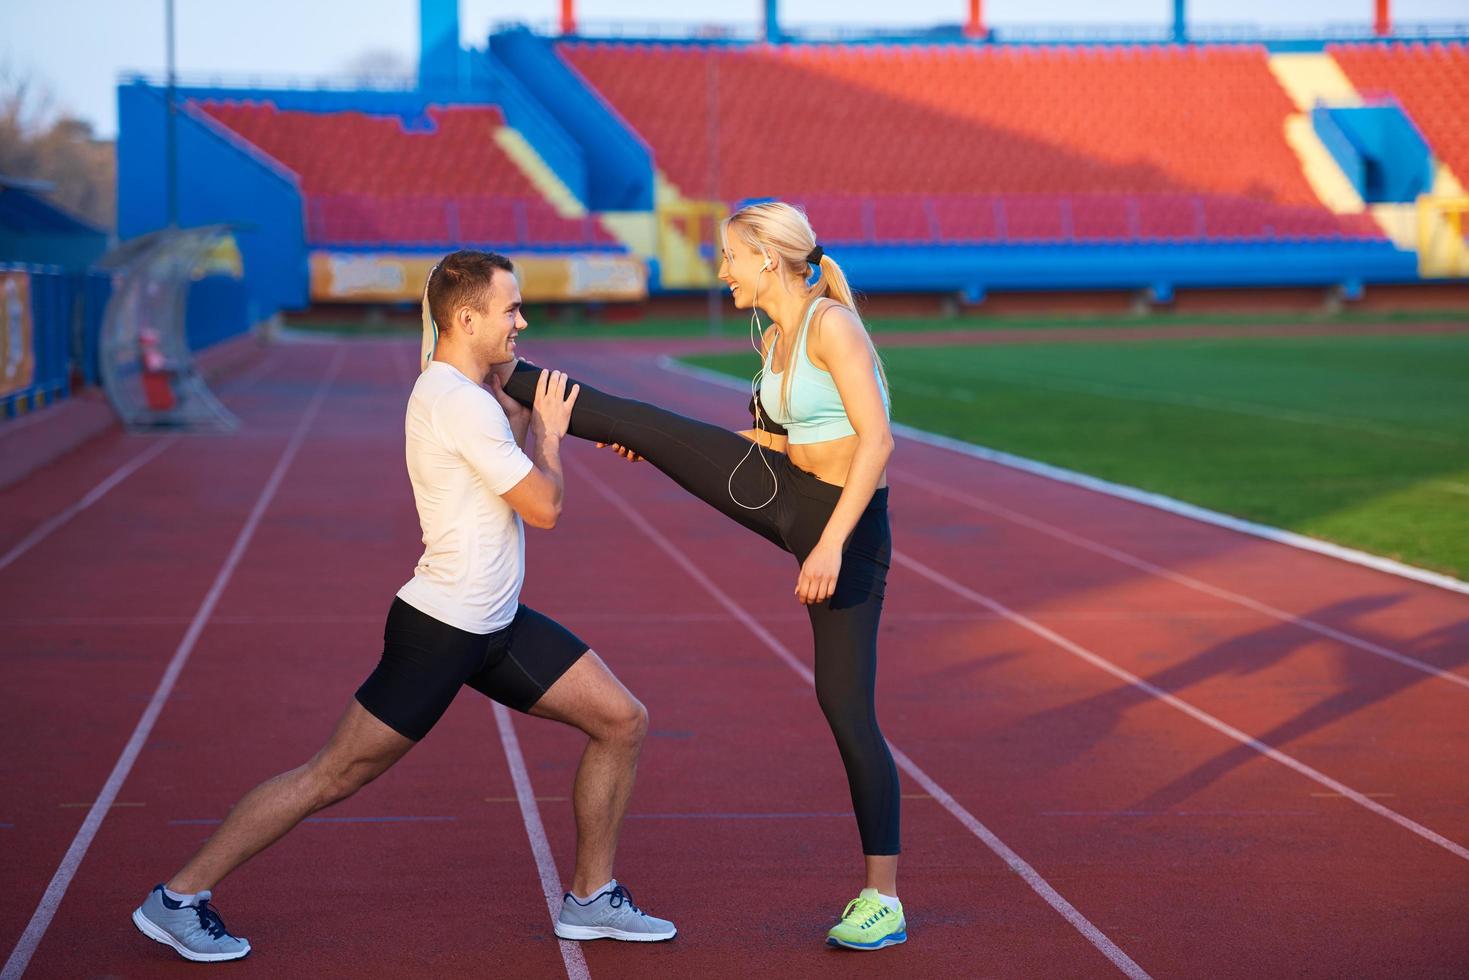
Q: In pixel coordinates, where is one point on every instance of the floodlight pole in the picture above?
(974, 27)
(1382, 22)
(170, 137)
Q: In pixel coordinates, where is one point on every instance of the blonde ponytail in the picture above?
(833, 283)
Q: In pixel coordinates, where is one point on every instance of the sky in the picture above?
(77, 48)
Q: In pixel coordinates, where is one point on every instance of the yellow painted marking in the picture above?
(1309, 79)
(538, 172)
(74, 806)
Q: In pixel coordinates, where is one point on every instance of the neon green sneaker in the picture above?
(869, 924)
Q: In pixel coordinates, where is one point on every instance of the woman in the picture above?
(814, 485)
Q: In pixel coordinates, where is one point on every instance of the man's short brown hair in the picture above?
(463, 278)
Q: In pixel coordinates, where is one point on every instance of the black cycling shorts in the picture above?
(425, 662)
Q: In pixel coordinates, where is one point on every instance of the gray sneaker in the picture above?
(195, 931)
(610, 915)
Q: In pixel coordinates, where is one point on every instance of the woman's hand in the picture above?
(819, 574)
(622, 451)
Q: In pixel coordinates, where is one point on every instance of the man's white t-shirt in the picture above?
(461, 457)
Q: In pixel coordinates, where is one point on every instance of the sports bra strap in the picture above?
(800, 335)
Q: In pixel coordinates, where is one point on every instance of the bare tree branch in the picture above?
(40, 141)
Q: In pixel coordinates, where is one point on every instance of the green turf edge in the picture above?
(1414, 525)
(731, 325)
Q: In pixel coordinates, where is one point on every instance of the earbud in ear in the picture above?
(769, 262)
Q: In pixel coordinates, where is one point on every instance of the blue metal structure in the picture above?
(222, 180)
(617, 163)
(1378, 148)
(608, 166)
(34, 230)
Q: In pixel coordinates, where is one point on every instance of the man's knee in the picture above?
(333, 781)
(625, 723)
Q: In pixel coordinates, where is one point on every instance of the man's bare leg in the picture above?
(361, 749)
(591, 698)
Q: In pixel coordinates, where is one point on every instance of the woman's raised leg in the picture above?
(712, 463)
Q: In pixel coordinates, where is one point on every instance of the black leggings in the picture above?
(700, 458)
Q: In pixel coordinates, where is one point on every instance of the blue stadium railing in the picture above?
(64, 311)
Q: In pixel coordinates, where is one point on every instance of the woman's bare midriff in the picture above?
(828, 461)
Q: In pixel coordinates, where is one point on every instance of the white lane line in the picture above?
(530, 813)
(1188, 581)
(1131, 494)
(52, 524)
(250, 377)
(1077, 650)
(1016, 863)
(48, 527)
(56, 890)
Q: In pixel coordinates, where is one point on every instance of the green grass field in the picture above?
(733, 325)
(1360, 440)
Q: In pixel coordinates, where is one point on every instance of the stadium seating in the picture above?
(884, 143)
(368, 180)
(1081, 218)
(908, 143)
(1430, 81)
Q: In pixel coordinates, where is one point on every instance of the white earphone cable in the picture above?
(755, 338)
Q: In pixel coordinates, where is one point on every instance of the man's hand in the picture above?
(819, 573)
(551, 413)
(514, 411)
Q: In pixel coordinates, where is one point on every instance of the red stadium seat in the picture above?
(1431, 82)
(368, 179)
(955, 143)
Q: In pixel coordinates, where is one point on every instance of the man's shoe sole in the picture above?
(153, 932)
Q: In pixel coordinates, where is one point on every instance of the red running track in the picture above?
(1073, 678)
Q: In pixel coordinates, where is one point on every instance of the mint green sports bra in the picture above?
(816, 411)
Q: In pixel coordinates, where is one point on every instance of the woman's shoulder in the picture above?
(835, 316)
(834, 327)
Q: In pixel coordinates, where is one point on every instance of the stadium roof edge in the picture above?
(1280, 39)
(27, 184)
(186, 84)
(37, 212)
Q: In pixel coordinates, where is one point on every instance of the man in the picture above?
(457, 622)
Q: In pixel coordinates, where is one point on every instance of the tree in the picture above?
(39, 141)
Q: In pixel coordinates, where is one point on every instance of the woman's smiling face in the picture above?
(741, 269)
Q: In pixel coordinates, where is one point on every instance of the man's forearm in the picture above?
(546, 455)
(520, 429)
